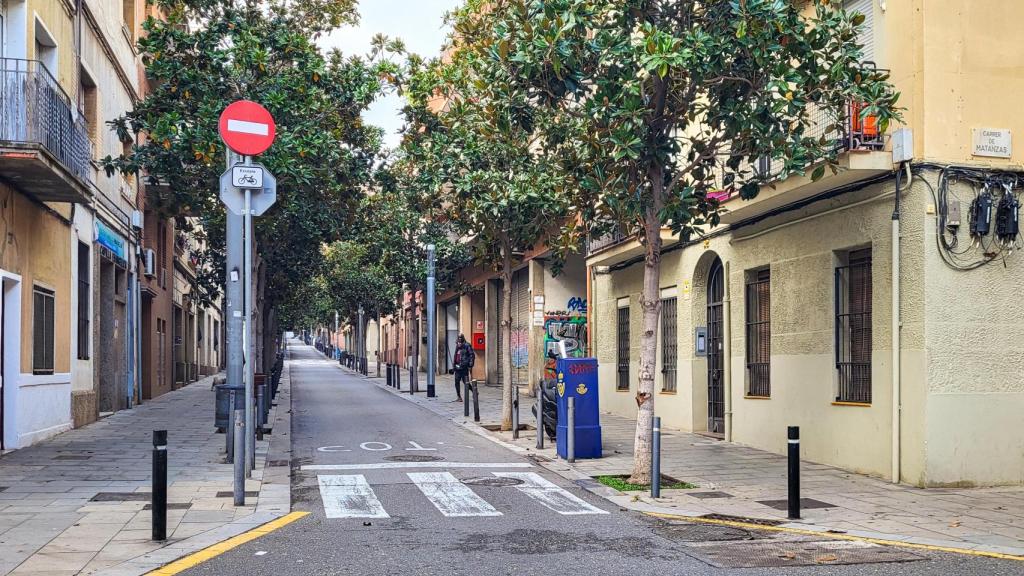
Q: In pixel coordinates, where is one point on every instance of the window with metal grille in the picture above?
(42, 331)
(853, 327)
(622, 349)
(83, 300)
(759, 334)
(669, 344)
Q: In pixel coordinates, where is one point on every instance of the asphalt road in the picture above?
(373, 512)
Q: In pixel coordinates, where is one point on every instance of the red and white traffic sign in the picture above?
(247, 128)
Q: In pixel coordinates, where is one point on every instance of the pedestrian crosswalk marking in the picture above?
(550, 494)
(439, 464)
(450, 496)
(349, 496)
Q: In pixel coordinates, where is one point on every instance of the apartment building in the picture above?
(884, 323)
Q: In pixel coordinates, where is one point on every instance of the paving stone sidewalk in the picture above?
(78, 503)
(736, 480)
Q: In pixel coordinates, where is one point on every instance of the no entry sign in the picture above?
(247, 128)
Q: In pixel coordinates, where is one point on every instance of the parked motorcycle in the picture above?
(549, 391)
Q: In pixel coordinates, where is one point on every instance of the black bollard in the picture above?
(515, 412)
(465, 398)
(158, 502)
(793, 472)
(476, 402)
(540, 417)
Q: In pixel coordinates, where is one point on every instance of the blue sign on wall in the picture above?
(111, 240)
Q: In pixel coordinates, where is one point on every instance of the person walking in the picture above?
(463, 361)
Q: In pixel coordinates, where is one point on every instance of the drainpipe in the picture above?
(590, 313)
(727, 351)
(896, 326)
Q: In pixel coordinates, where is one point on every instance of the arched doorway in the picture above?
(716, 388)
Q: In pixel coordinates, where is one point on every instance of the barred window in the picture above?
(669, 344)
(853, 327)
(622, 349)
(759, 334)
(42, 331)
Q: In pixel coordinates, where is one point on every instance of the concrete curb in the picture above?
(273, 502)
(641, 505)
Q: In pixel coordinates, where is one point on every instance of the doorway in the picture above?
(716, 388)
(451, 333)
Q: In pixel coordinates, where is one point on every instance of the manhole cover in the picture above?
(121, 497)
(707, 495)
(413, 458)
(492, 481)
(71, 457)
(805, 504)
(773, 554)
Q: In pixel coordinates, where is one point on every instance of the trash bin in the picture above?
(223, 409)
(577, 377)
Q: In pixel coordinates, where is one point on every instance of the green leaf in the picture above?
(818, 173)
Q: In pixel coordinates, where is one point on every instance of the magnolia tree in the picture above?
(655, 104)
(473, 142)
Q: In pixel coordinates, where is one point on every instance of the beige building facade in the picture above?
(789, 313)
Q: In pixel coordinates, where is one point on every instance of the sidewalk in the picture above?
(736, 481)
(78, 503)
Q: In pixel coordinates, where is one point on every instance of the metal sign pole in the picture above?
(250, 437)
(233, 309)
(431, 324)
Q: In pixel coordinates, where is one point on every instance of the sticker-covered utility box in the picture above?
(577, 378)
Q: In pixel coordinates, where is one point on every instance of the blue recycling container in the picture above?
(577, 378)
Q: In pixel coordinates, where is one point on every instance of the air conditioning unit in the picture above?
(150, 270)
(137, 219)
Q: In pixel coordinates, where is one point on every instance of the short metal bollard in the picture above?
(515, 412)
(158, 501)
(387, 375)
(656, 457)
(239, 468)
(476, 401)
(465, 398)
(540, 417)
(259, 411)
(570, 431)
(793, 472)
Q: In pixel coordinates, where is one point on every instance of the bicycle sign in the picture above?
(247, 177)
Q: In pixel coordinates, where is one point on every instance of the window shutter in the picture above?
(867, 31)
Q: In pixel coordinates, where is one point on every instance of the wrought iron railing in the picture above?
(34, 108)
(607, 240)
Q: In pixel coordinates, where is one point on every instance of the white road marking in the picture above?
(349, 497)
(366, 446)
(386, 465)
(550, 494)
(332, 449)
(245, 127)
(449, 496)
(416, 446)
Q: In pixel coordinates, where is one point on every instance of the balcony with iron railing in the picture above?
(857, 143)
(45, 149)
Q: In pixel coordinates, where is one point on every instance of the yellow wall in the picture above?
(55, 16)
(37, 247)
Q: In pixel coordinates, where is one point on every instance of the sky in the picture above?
(420, 23)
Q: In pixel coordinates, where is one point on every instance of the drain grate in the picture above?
(708, 495)
(71, 457)
(277, 463)
(230, 494)
(492, 481)
(775, 554)
(121, 497)
(538, 458)
(413, 458)
(705, 533)
(805, 504)
(744, 519)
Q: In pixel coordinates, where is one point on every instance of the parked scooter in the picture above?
(549, 390)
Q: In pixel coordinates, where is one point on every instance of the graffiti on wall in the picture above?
(564, 327)
(577, 304)
(520, 347)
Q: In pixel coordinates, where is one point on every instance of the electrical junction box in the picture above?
(953, 214)
(902, 145)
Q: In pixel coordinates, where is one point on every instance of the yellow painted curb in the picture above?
(837, 536)
(192, 560)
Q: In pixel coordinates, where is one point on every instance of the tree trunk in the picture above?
(380, 347)
(650, 306)
(506, 335)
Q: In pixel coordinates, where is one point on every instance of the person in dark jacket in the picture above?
(463, 361)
